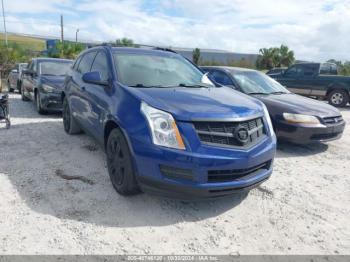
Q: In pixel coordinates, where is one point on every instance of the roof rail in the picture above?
(167, 49)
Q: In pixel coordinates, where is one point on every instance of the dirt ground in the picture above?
(302, 209)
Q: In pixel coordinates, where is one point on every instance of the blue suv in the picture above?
(165, 127)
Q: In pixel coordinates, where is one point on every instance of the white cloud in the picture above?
(314, 29)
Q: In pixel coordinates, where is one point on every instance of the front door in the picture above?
(97, 96)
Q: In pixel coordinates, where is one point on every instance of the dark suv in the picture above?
(165, 127)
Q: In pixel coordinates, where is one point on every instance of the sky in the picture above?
(315, 30)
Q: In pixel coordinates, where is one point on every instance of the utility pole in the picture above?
(3, 15)
(62, 39)
(76, 35)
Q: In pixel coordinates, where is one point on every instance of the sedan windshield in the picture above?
(253, 82)
(140, 70)
(54, 68)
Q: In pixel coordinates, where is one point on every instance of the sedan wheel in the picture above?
(69, 123)
(38, 104)
(24, 98)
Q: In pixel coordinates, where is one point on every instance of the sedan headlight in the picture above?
(163, 127)
(48, 89)
(268, 119)
(301, 119)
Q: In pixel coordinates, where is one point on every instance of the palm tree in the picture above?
(286, 56)
(267, 57)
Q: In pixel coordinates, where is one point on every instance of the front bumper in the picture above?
(301, 134)
(51, 101)
(190, 179)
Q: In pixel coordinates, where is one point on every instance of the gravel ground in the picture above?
(302, 209)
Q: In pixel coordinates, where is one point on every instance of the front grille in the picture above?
(333, 120)
(226, 133)
(217, 176)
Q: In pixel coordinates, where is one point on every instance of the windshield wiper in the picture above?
(193, 86)
(258, 93)
(278, 93)
(143, 86)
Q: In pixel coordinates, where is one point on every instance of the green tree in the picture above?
(275, 57)
(11, 55)
(125, 42)
(286, 56)
(67, 50)
(196, 55)
(267, 58)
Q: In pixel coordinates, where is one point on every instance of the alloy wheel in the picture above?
(117, 160)
(337, 98)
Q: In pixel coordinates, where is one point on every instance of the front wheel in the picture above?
(69, 123)
(119, 163)
(39, 107)
(24, 98)
(338, 98)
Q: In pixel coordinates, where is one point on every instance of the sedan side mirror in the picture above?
(94, 78)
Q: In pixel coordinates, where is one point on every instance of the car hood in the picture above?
(188, 104)
(54, 81)
(292, 103)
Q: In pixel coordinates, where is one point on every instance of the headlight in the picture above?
(268, 119)
(48, 89)
(302, 119)
(163, 127)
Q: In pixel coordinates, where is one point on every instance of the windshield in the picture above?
(256, 82)
(140, 70)
(54, 68)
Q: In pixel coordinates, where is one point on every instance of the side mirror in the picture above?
(94, 78)
(206, 80)
(27, 72)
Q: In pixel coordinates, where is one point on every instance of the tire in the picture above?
(19, 86)
(38, 105)
(338, 98)
(8, 124)
(120, 166)
(70, 125)
(24, 98)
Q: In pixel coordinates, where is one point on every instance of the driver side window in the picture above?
(100, 65)
(86, 62)
(221, 78)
